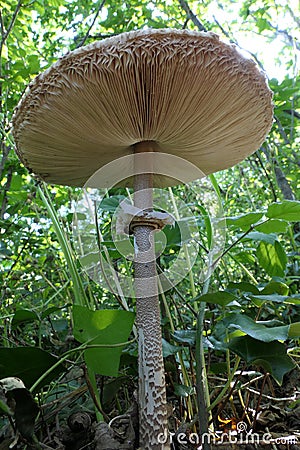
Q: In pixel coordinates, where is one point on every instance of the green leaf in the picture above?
(28, 364)
(273, 226)
(256, 330)
(23, 315)
(218, 368)
(53, 309)
(104, 327)
(287, 210)
(173, 235)
(222, 298)
(262, 24)
(111, 203)
(294, 330)
(111, 247)
(272, 258)
(244, 257)
(276, 298)
(183, 391)
(185, 336)
(275, 287)
(169, 349)
(293, 300)
(243, 286)
(271, 356)
(244, 220)
(263, 237)
(34, 63)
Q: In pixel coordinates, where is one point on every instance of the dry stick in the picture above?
(152, 392)
(259, 401)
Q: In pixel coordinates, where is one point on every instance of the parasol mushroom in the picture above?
(182, 93)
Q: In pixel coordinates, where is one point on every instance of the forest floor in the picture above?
(258, 416)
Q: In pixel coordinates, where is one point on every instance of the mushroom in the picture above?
(179, 92)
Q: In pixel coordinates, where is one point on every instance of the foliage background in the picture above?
(35, 275)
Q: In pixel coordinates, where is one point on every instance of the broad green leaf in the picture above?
(244, 220)
(222, 298)
(169, 349)
(271, 356)
(243, 287)
(89, 260)
(293, 300)
(218, 368)
(53, 309)
(272, 258)
(22, 316)
(294, 330)
(263, 237)
(257, 330)
(287, 210)
(183, 391)
(34, 63)
(185, 336)
(111, 203)
(275, 287)
(244, 257)
(104, 327)
(173, 235)
(28, 364)
(276, 298)
(273, 226)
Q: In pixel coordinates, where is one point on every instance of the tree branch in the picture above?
(185, 6)
(5, 192)
(5, 151)
(229, 35)
(288, 37)
(92, 24)
(9, 28)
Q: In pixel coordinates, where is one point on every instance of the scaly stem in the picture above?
(152, 391)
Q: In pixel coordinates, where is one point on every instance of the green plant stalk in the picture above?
(58, 292)
(81, 348)
(226, 386)
(93, 383)
(111, 266)
(203, 399)
(244, 268)
(79, 292)
(186, 254)
(186, 378)
(167, 309)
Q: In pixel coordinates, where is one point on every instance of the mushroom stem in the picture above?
(152, 391)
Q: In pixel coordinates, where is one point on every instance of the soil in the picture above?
(257, 415)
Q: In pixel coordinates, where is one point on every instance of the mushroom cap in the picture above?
(192, 94)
